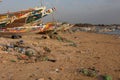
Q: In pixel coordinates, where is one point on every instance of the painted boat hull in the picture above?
(27, 29)
(22, 18)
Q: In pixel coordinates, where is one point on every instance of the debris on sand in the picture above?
(90, 72)
(25, 52)
(107, 77)
(47, 49)
(16, 36)
(55, 35)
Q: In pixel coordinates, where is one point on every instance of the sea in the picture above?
(116, 32)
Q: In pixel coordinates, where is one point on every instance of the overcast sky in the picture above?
(74, 11)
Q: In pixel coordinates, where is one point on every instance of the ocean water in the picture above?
(116, 32)
(97, 30)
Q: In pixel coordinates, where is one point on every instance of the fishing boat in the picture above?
(25, 21)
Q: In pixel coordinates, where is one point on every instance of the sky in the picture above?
(72, 11)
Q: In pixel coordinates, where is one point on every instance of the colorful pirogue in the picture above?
(25, 21)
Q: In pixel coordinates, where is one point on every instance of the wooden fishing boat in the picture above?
(25, 21)
(27, 29)
(21, 18)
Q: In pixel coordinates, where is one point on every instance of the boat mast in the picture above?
(41, 2)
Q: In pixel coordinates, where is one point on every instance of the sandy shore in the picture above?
(93, 50)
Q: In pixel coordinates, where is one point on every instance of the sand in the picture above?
(93, 50)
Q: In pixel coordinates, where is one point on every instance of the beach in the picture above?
(90, 50)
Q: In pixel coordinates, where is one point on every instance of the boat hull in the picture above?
(27, 29)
